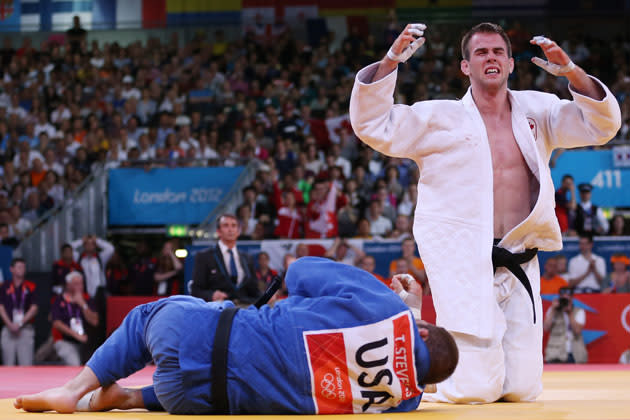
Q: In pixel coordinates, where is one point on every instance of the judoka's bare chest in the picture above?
(511, 176)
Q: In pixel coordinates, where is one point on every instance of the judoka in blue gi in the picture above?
(342, 342)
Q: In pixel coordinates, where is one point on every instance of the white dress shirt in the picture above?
(225, 251)
(578, 266)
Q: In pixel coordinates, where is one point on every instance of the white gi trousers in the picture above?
(509, 365)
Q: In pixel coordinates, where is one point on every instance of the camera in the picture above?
(563, 302)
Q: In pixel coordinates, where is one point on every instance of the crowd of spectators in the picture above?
(65, 108)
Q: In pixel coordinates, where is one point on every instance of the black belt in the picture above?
(218, 371)
(501, 257)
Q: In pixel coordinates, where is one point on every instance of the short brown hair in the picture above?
(227, 216)
(485, 27)
(443, 354)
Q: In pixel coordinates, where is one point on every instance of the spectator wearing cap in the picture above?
(69, 313)
(129, 90)
(18, 308)
(619, 280)
(587, 270)
(589, 218)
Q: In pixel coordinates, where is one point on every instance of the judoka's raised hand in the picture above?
(410, 291)
(407, 43)
(558, 62)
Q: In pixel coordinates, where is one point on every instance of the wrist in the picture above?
(388, 63)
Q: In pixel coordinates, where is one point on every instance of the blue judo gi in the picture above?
(342, 342)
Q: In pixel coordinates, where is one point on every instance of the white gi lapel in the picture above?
(480, 127)
(524, 136)
(540, 228)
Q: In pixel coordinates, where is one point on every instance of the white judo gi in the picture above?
(490, 315)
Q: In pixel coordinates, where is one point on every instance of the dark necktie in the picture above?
(233, 271)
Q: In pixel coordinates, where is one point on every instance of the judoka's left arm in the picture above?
(593, 117)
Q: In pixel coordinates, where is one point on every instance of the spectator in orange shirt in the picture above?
(401, 267)
(550, 281)
(415, 266)
(619, 279)
(38, 172)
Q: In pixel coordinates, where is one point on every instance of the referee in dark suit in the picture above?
(222, 272)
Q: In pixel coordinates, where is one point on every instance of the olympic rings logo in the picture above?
(328, 386)
(624, 318)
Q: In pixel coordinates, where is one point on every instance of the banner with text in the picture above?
(602, 169)
(166, 196)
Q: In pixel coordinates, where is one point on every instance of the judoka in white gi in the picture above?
(484, 174)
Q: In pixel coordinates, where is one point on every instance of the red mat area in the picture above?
(15, 381)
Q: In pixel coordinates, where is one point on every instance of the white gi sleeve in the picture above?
(584, 121)
(393, 130)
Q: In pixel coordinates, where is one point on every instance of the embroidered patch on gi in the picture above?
(533, 127)
(363, 369)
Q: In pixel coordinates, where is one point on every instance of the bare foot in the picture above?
(59, 399)
(112, 397)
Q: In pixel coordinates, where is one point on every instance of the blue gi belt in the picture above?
(501, 257)
(218, 371)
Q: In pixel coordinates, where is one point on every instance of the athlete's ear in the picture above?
(424, 333)
(464, 66)
(511, 65)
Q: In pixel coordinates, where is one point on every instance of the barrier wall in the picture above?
(387, 250)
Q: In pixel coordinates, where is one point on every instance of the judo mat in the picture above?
(570, 392)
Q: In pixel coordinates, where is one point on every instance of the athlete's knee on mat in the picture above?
(523, 395)
(514, 391)
(523, 379)
(469, 391)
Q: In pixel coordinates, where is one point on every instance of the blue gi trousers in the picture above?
(155, 331)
